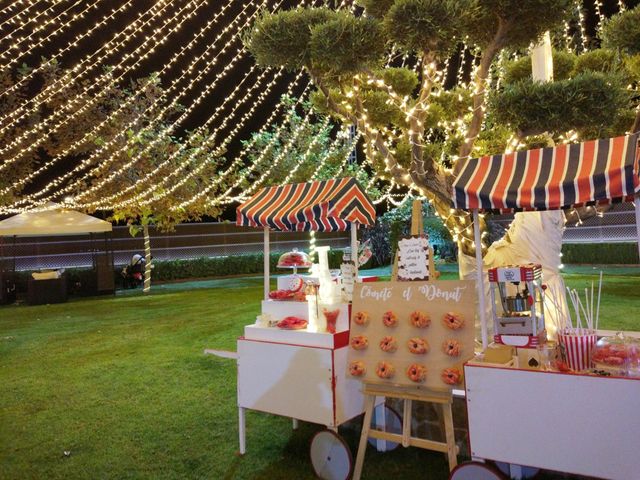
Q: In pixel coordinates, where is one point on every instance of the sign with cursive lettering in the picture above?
(413, 258)
(417, 333)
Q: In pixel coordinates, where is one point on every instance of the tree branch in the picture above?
(479, 95)
(399, 173)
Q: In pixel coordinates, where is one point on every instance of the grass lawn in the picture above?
(121, 383)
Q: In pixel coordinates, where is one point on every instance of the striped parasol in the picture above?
(323, 206)
(596, 171)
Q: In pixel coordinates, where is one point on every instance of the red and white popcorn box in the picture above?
(577, 346)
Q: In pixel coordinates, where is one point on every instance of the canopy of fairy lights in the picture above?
(205, 59)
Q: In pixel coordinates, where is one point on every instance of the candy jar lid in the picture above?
(617, 355)
(294, 259)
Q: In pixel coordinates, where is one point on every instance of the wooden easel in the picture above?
(408, 395)
(417, 228)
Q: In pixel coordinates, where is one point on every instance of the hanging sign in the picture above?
(413, 258)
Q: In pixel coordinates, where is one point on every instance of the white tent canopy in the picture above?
(55, 220)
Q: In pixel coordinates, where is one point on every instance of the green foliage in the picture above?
(403, 80)
(588, 103)
(345, 45)
(524, 21)
(606, 253)
(396, 224)
(622, 31)
(563, 66)
(376, 8)
(427, 25)
(282, 39)
(517, 70)
(454, 103)
(632, 65)
(493, 140)
(600, 60)
(212, 267)
(298, 145)
(381, 112)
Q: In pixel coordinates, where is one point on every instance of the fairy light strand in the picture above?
(210, 63)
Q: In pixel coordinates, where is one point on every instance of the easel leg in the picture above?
(241, 430)
(380, 421)
(364, 436)
(449, 435)
(406, 422)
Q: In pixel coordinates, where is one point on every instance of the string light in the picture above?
(94, 131)
(209, 64)
(83, 67)
(11, 53)
(139, 54)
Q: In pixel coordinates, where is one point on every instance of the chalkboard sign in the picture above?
(413, 258)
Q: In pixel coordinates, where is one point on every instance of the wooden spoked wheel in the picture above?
(330, 456)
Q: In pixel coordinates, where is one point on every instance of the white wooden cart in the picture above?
(567, 422)
(300, 374)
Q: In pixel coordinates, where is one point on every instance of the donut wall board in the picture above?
(412, 333)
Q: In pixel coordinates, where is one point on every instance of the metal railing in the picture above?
(211, 239)
(617, 225)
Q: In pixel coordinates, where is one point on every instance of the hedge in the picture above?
(600, 253)
(223, 266)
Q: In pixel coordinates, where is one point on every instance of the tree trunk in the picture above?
(533, 237)
(147, 259)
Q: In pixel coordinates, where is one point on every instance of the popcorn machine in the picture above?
(518, 305)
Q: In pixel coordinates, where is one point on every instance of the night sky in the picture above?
(166, 51)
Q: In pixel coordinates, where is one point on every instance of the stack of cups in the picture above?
(577, 345)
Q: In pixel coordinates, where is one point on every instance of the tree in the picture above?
(303, 147)
(415, 130)
(154, 177)
(127, 162)
(26, 144)
(622, 33)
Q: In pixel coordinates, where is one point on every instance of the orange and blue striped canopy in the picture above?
(322, 206)
(596, 171)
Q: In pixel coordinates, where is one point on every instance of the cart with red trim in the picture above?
(575, 423)
(297, 373)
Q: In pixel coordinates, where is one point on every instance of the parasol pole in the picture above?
(480, 279)
(266, 262)
(637, 204)
(354, 248)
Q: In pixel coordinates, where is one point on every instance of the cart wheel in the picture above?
(330, 456)
(475, 471)
(393, 424)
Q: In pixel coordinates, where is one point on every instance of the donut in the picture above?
(357, 368)
(359, 342)
(418, 345)
(451, 347)
(453, 321)
(389, 319)
(388, 344)
(361, 318)
(385, 370)
(450, 376)
(417, 373)
(420, 319)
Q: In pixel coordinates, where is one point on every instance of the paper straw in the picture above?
(598, 310)
(591, 308)
(586, 317)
